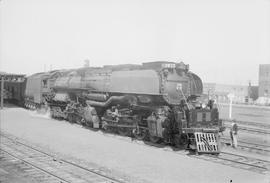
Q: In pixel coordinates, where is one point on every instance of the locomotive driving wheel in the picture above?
(184, 140)
(71, 118)
(181, 141)
(123, 131)
(139, 133)
(104, 125)
(154, 139)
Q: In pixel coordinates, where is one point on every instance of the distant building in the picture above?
(264, 80)
(13, 87)
(220, 92)
(86, 63)
(253, 92)
(209, 88)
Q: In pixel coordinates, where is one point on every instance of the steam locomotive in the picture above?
(157, 101)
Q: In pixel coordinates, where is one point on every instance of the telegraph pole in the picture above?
(230, 96)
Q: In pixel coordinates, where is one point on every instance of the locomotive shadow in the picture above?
(170, 146)
(161, 145)
(11, 104)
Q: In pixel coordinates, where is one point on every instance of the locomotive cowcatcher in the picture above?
(156, 101)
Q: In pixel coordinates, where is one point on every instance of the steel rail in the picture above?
(34, 166)
(241, 156)
(249, 129)
(244, 142)
(243, 163)
(65, 161)
(246, 162)
(249, 123)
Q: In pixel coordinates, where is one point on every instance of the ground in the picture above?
(9, 175)
(246, 113)
(120, 154)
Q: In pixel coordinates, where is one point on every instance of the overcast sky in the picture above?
(223, 41)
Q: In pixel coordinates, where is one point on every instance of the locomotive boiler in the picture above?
(157, 101)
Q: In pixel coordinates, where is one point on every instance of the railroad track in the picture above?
(35, 174)
(249, 123)
(254, 130)
(238, 161)
(254, 147)
(249, 128)
(228, 159)
(48, 168)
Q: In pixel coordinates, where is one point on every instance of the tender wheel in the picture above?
(184, 140)
(139, 133)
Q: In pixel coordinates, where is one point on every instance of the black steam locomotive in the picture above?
(157, 101)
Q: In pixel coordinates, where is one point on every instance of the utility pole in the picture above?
(230, 96)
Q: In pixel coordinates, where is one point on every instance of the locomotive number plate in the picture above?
(179, 86)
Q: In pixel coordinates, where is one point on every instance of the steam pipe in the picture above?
(105, 104)
(95, 96)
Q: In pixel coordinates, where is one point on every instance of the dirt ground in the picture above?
(246, 113)
(118, 153)
(11, 173)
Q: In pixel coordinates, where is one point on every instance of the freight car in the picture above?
(156, 101)
(14, 87)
